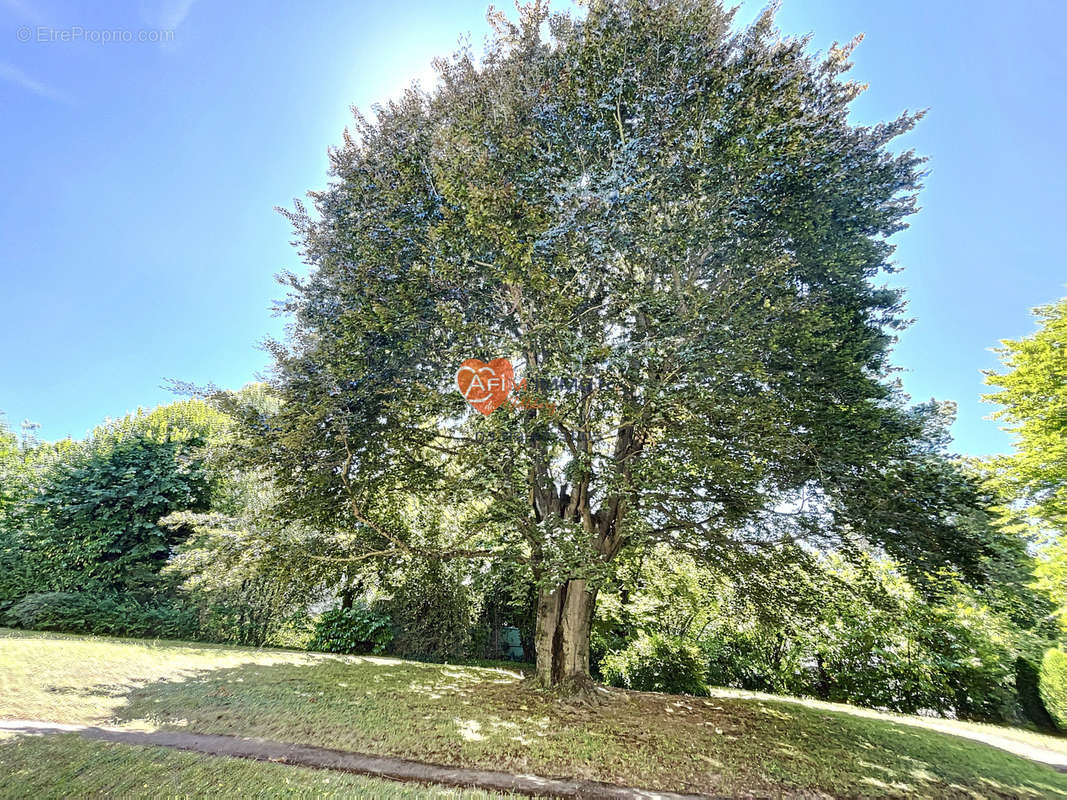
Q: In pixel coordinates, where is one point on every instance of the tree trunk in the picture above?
(564, 618)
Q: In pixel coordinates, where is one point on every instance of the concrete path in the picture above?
(397, 769)
(1054, 759)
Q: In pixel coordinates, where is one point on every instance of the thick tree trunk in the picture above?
(564, 618)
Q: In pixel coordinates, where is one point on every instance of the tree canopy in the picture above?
(675, 235)
(1033, 396)
(90, 512)
(1033, 399)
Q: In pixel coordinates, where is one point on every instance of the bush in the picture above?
(1027, 682)
(754, 659)
(599, 649)
(506, 596)
(432, 610)
(16, 573)
(248, 575)
(94, 522)
(107, 615)
(352, 630)
(656, 663)
(1053, 685)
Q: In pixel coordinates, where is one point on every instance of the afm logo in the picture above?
(485, 386)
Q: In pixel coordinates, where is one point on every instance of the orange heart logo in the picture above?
(485, 386)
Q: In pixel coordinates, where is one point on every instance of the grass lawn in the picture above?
(743, 746)
(80, 768)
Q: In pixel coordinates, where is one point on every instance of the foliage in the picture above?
(878, 641)
(17, 573)
(506, 596)
(358, 629)
(1051, 573)
(21, 461)
(110, 615)
(676, 216)
(1053, 685)
(250, 576)
(15, 470)
(661, 589)
(1028, 690)
(849, 632)
(1033, 396)
(92, 522)
(657, 663)
(1033, 399)
(431, 609)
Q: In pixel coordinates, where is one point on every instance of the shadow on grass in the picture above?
(887, 758)
(468, 717)
(98, 690)
(333, 703)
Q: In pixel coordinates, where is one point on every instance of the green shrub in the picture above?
(432, 611)
(599, 648)
(1027, 682)
(1053, 685)
(656, 664)
(352, 630)
(754, 659)
(108, 615)
(16, 573)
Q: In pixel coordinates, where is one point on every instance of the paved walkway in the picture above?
(1054, 759)
(397, 769)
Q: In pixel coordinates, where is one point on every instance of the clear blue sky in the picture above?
(136, 223)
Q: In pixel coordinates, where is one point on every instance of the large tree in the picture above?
(673, 232)
(1033, 396)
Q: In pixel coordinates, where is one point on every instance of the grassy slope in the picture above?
(80, 768)
(485, 717)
